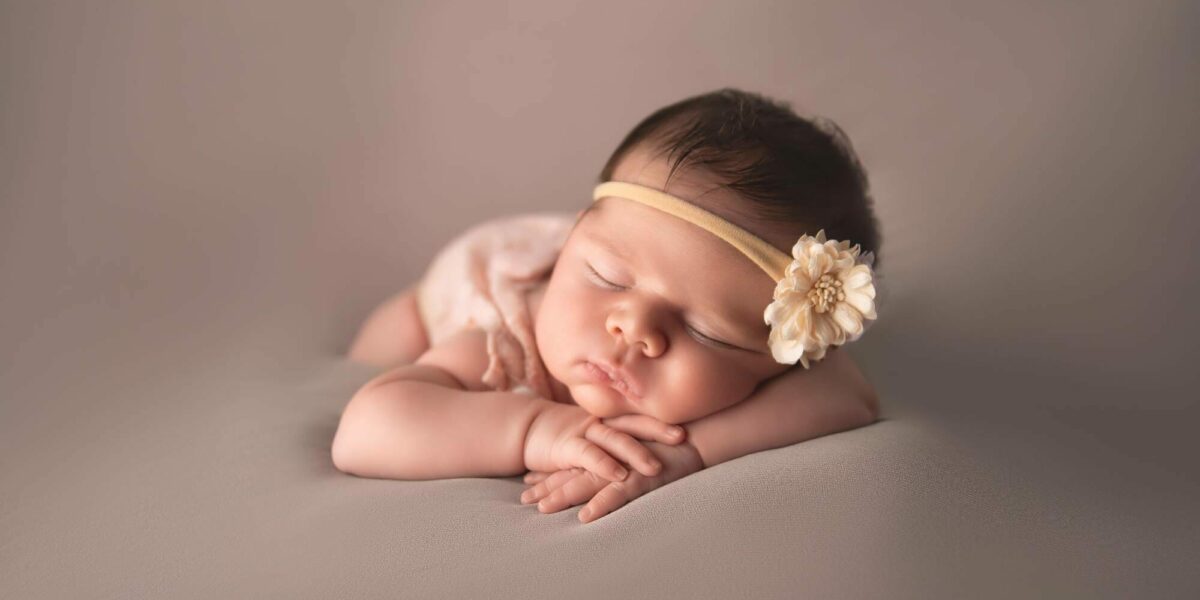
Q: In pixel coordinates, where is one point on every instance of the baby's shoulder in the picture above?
(517, 247)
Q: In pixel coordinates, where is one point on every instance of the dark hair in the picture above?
(799, 175)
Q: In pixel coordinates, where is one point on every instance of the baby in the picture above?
(662, 330)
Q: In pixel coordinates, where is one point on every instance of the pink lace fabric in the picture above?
(482, 279)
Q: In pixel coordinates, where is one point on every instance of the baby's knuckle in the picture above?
(603, 432)
(610, 438)
(621, 487)
(594, 453)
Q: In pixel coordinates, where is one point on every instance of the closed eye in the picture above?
(709, 340)
(598, 278)
(702, 338)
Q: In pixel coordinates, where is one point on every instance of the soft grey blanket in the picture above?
(200, 202)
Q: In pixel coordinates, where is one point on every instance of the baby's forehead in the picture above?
(627, 226)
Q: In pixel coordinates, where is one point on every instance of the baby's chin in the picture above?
(598, 402)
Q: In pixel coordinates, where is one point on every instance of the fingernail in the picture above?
(621, 473)
(585, 514)
(655, 465)
(527, 497)
(676, 432)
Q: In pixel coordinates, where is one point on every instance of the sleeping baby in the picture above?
(690, 315)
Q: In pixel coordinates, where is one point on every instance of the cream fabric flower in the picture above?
(822, 300)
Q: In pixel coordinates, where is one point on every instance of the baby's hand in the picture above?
(569, 487)
(564, 436)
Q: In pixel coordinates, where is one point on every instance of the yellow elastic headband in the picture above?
(771, 259)
(823, 292)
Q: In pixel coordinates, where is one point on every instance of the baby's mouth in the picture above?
(622, 387)
(602, 374)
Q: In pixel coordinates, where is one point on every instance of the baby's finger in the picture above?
(591, 457)
(576, 491)
(549, 484)
(647, 428)
(622, 445)
(533, 477)
(605, 501)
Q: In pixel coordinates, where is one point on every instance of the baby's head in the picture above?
(674, 309)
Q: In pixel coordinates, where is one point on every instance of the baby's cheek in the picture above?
(689, 392)
(560, 338)
(719, 388)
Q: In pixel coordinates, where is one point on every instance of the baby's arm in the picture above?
(436, 419)
(421, 421)
(797, 405)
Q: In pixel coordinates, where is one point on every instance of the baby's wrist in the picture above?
(542, 431)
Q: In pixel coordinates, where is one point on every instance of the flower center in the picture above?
(826, 293)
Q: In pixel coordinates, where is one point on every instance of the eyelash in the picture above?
(599, 279)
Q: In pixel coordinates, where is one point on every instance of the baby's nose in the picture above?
(647, 338)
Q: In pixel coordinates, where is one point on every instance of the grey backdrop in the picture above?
(200, 202)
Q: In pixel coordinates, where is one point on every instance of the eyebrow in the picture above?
(709, 318)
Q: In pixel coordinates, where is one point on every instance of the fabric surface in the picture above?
(200, 203)
(482, 279)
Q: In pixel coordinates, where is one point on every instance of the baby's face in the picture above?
(675, 309)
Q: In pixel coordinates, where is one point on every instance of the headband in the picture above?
(824, 291)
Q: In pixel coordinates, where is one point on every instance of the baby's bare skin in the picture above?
(393, 334)
(675, 289)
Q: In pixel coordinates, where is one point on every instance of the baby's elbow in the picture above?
(342, 453)
(346, 451)
(373, 437)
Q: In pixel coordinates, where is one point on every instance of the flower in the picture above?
(822, 300)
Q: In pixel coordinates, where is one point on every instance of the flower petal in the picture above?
(799, 321)
(825, 332)
(814, 356)
(844, 262)
(784, 351)
(820, 265)
(856, 277)
(800, 249)
(797, 278)
(849, 319)
(863, 303)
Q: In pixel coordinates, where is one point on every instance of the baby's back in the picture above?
(481, 280)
